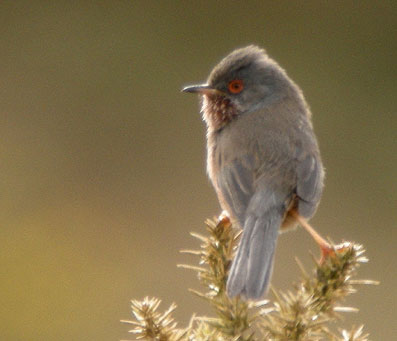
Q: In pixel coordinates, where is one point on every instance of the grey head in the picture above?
(244, 81)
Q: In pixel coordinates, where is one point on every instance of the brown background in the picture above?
(102, 159)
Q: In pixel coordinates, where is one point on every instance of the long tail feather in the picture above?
(252, 267)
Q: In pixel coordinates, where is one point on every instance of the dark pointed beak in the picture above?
(203, 89)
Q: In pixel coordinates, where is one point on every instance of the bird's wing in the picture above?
(235, 182)
(310, 176)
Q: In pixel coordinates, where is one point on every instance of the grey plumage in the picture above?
(263, 158)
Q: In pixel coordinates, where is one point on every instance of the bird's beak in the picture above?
(203, 89)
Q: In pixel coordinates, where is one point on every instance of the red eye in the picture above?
(236, 86)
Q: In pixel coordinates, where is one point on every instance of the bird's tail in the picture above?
(252, 267)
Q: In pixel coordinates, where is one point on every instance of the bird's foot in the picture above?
(328, 250)
(224, 219)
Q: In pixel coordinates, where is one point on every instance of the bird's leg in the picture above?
(326, 248)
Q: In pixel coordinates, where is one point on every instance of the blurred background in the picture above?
(103, 159)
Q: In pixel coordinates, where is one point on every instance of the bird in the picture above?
(263, 160)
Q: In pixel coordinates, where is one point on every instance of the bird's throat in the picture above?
(217, 111)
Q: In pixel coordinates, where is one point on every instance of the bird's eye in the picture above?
(236, 86)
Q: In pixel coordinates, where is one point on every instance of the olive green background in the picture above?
(103, 159)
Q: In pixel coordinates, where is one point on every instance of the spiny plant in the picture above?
(303, 313)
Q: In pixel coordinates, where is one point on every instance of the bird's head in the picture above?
(242, 82)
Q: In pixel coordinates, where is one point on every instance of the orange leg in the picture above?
(326, 248)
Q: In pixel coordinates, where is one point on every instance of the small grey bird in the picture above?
(263, 159)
